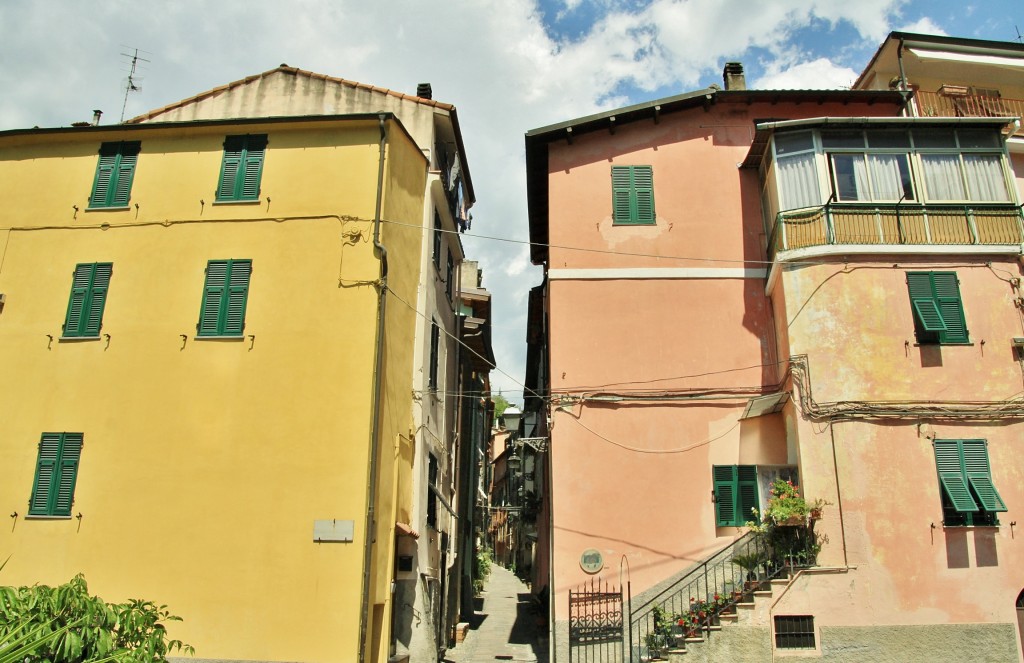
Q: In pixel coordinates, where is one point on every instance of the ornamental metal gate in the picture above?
(595, 623)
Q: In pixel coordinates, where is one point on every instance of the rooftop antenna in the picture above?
(1019, 37)
(130, 85)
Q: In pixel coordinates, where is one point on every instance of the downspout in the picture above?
(904, 88)
(839, 492)
(371, 488)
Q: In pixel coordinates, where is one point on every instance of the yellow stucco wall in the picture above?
(206, 462)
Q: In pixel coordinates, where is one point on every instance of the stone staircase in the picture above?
(739, 630)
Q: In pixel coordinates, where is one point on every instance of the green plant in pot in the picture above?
(750, 562)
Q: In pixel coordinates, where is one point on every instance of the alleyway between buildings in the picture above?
(509, 626)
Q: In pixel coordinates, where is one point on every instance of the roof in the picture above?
(954, 43)
(295, 71)
(537, 140)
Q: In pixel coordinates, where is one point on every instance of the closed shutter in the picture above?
(725, 494)
(238, 294)
(80, 283)
(124, 174)
(230, 167)
(622, 208)
(213, 294)
(67, 471)
(979, 475)
(948, 461)
(242, 167)
(104, 175)
(253, 167)
(115, 171)
(46, 474)
(643, 186)
(97, 299)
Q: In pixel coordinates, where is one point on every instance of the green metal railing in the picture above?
(897, 224)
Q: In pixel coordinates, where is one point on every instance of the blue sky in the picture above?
(508, 66)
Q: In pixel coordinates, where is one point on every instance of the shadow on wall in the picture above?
(958, 554)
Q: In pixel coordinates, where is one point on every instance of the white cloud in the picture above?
(925, 25)
(820, 74)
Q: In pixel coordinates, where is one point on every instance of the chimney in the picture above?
(96, 114)
(733, 76)
(423, 91)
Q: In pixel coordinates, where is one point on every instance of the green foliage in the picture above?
(64, 624)
(500, 405)
(481, 568)
(749, 562)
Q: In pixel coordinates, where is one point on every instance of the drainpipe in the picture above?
(371, 488)
(903, 79)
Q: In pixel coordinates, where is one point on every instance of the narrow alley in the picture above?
(508, 626)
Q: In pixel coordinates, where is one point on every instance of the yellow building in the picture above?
(201, 396)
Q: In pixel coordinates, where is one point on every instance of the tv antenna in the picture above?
(131, 84)
(1019, 37)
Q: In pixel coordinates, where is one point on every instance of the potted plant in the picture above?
(750, 562)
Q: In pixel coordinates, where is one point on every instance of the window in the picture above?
(242, 167)
(794, 632)
(797, 175)
(53, 490)
(633, 195)
(449, 277)
(432, 491)
(937, 308)
(88, 297)
(968, 495)
(224, 297)
(437, 240)
(735, 494)
(112, 185)
(435, 341)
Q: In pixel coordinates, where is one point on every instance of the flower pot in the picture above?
(793, 521)
(815, 514)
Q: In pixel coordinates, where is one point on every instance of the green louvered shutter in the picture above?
(747, 491)
(252, 167)
(214, 291)
(725, 494)
(643, 186)
(121, 190)
(237, 295)
(80, 283)
(46, 475)
(97, 299)
(947, 297)
(67, 474)
(622, 207)
(949, 463)
(230, 167)
(105, 169)
(979, 475)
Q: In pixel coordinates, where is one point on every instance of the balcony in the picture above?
(899, 225)
(958, 103)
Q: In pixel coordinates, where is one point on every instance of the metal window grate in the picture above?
(794, 632)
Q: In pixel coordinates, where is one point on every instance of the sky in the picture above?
(507, 66)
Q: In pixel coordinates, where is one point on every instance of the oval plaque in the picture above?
(591, 561)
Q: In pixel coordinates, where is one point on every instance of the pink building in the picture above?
(747, 285)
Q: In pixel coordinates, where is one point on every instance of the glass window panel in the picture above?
(942, 178)
(787, 143)
(842, 139)
(890, 177)
(934, 138)
(798, 182)
(973, 138)
(886, 138)
(851, 177)
(985, 180)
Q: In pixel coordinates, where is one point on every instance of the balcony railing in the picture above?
(897, 224)
(933, 104)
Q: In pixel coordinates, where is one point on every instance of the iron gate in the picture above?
(595, 622)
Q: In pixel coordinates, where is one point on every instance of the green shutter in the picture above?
(949, 463)
(938, 309)
(115, 171)
(747, 490)
(242, 167)
(633, 194)
(88, 298)
(225, 294)
(979, 475)
(725, 494)
(53, 489)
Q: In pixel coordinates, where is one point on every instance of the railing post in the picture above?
(969, 214)
(830, 232)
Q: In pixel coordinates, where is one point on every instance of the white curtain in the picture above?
(942, 177)
(798, 182)
(851, 175)
(985, 179)
(886, 176)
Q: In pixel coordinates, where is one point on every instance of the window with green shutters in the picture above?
(437, 240)
(88, 297)
(112, 186)
(435, 345)
(224, 298)
(633, 195)
(242, 168)
(735, 494)
(53, 490)
(969, 496)
(937, 308)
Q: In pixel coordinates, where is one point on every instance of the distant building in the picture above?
(813, 286)
(229, 333)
